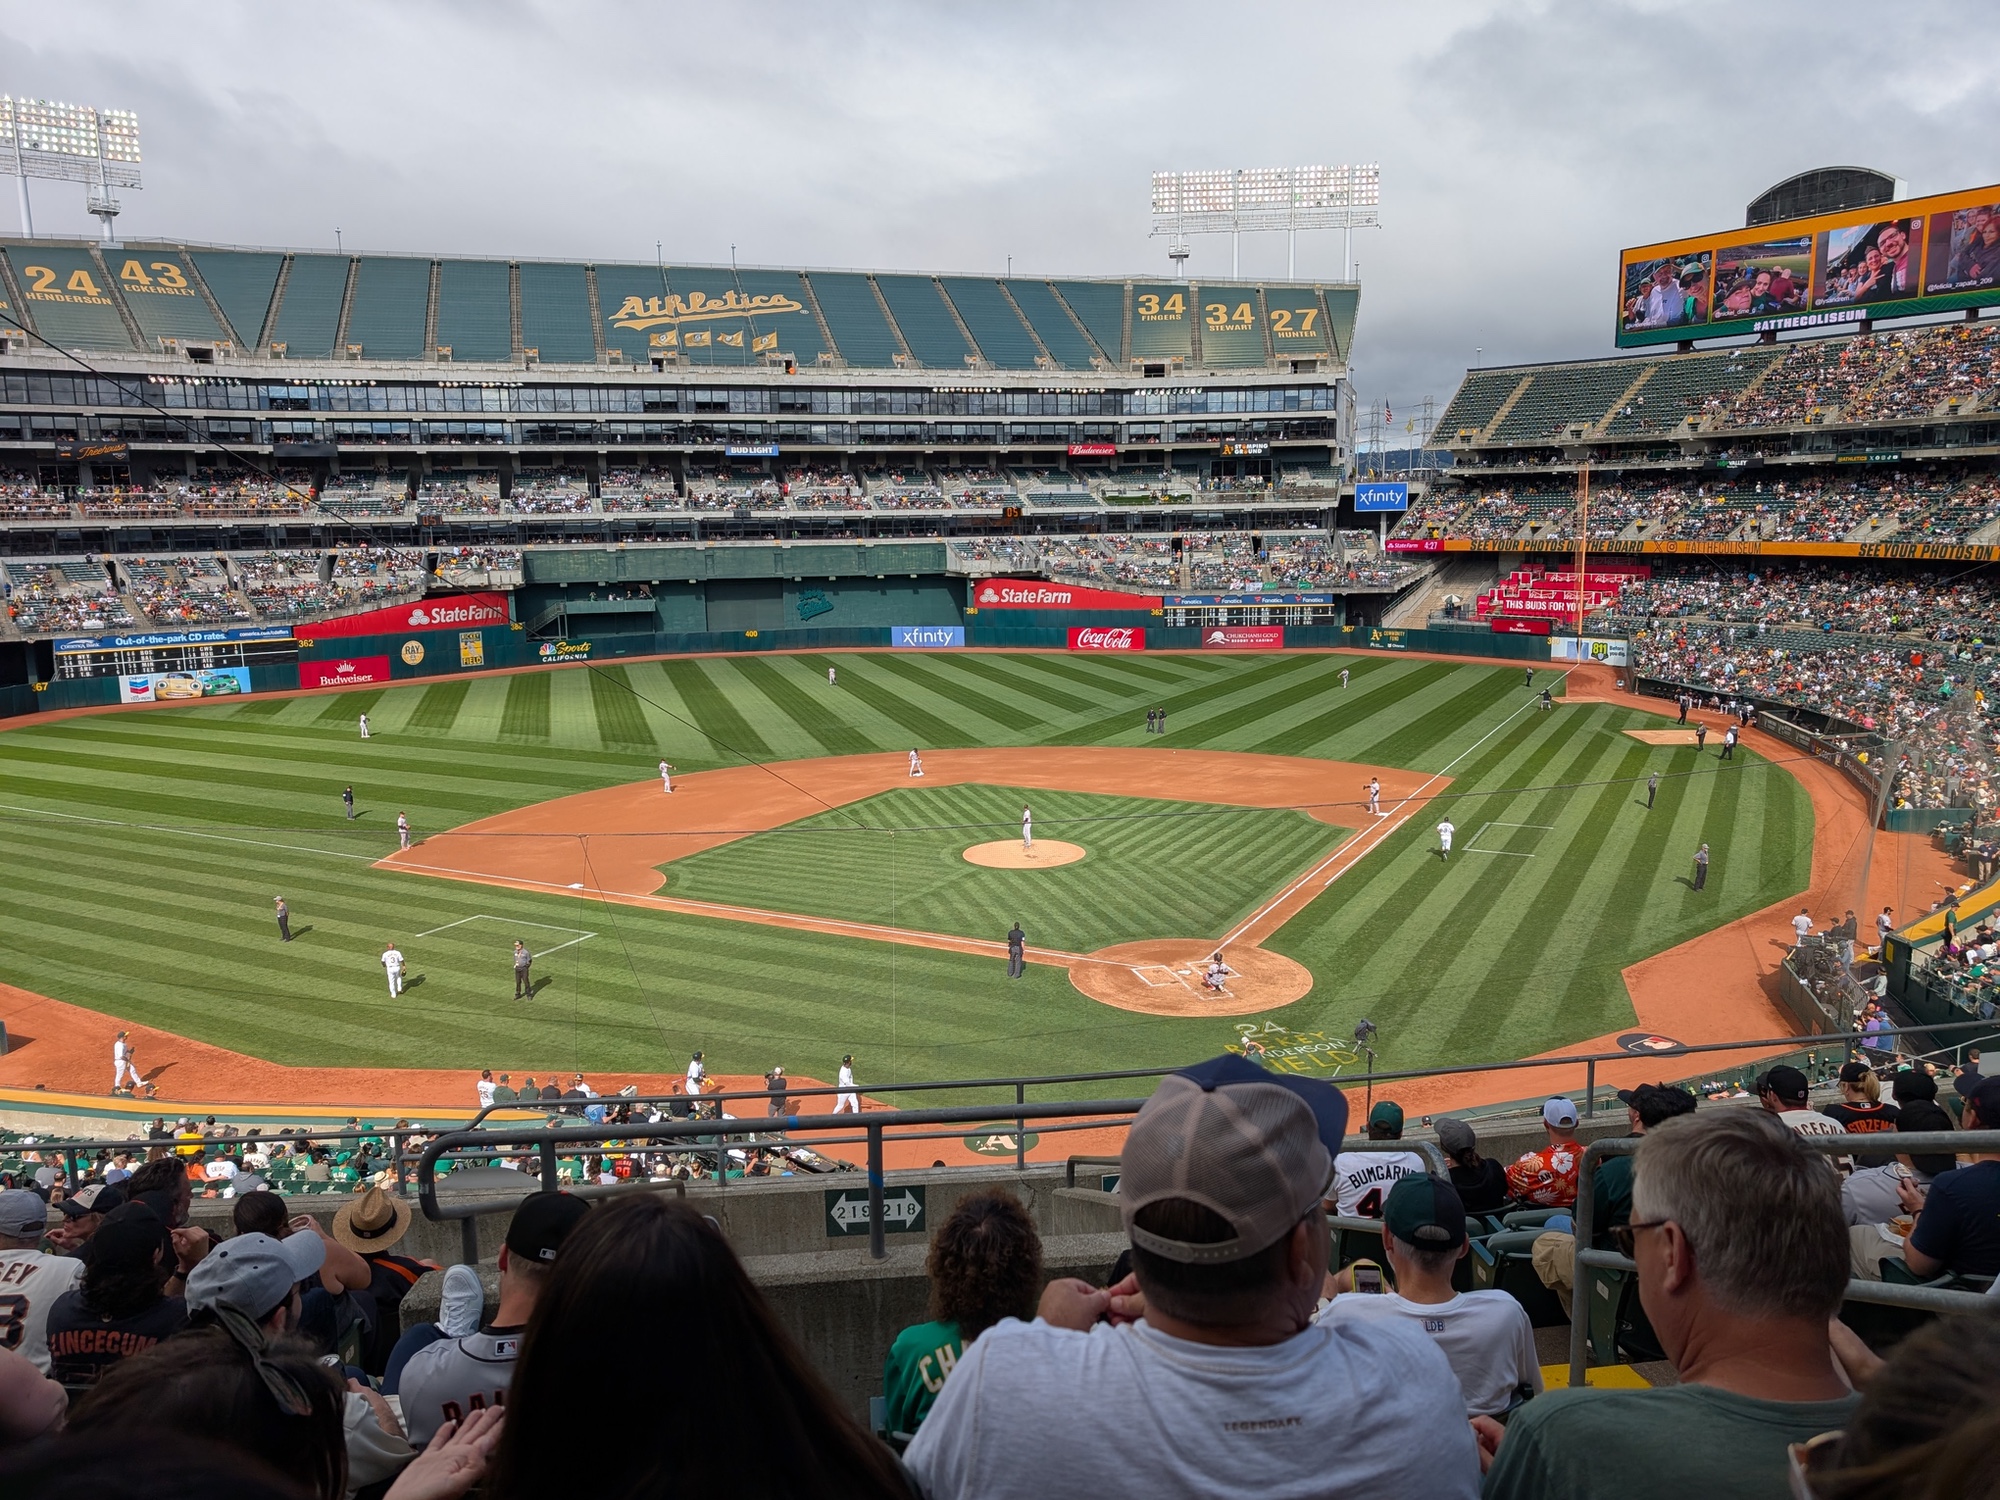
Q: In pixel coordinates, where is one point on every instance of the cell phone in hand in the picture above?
(1367, 1278)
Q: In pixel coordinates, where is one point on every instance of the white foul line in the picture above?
(489, 917)
(43, 812)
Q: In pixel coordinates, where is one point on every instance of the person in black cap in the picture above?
(455, 1376)
(1957, 1226)
(1647, 1107)
(1481, 1181)
(1783, 1091)
(1486, 1335)
(1860, 1110)
(120, 1308)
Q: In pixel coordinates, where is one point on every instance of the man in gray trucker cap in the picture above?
(1203, 1372)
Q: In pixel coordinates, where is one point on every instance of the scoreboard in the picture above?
(174, 651)
(1252, 609)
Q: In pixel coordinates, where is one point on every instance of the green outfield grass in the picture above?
(1154, 869)
(143, 850)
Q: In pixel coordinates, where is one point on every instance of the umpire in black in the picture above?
(1017, 942)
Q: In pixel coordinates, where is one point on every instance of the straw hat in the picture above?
(374, 1222)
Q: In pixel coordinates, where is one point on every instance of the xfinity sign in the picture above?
(926, 637)
(1382, 497)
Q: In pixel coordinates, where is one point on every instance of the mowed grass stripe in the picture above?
(438, 709)
(1429, 740)
(1198, 696)
(999, 670)
(349, 707)
(964, 694)
(798, 705)
(729, 733)
(526, 714)
(621, 722)
(1361, 700)
(926, 726)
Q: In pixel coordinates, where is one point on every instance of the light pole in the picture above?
(70, 143)
(1250, 200)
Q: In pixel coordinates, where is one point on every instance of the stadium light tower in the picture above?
(1262, 199)
(69, 143)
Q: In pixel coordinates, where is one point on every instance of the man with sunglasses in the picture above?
(1742, 1262)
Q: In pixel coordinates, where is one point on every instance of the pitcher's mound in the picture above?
(1007, 854)
(1164, 978)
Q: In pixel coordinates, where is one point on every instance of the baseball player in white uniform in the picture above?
(1027, 832)
(122, 1066)
(364, 726)
(1343, 677)
(1374, 798)
(695, 1074)
(667, 775)
(392, 964)
(1445, 831)
(403, 830)
(829, 677)
(916, 764)
(847, 1099)
(30, 1282)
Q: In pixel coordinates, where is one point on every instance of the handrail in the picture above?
(1589, 1259)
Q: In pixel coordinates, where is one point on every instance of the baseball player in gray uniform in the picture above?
(455, 1377)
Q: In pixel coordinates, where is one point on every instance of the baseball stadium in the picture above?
(938, 706)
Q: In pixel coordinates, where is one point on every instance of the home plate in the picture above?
(576, 885)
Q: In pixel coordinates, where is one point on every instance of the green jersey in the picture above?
(1662, 1444)
(915, 1371)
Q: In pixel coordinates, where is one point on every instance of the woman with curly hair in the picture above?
(985, 1264)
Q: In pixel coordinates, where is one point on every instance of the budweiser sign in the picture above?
(1243, 638)
(451, 612)
(344, 671)
(1107, 638)
(1033, 593)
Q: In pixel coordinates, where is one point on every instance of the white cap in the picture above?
(1560, 1113)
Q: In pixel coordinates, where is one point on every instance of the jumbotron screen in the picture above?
(1921, 255)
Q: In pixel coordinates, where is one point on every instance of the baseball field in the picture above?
(799, 896)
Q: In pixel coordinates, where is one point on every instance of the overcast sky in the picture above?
(1521, 145)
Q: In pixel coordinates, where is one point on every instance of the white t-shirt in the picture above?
(1365, 1177)
(1485, 1335)
(30, 1282)
(846, 1076)
(1361, 1410)
(1802, 925)
(485, 1087)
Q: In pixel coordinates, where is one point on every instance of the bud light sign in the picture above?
(1107, 638)
(1374, 497)
(926, 637)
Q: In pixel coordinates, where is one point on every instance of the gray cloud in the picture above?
(1521, 145)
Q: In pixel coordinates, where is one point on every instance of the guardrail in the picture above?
(1590, 1260)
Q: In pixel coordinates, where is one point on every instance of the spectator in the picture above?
(1485, 1334)
(1957, 1225)
(30, 1402)
(1783, 1092)
(119, 1308)
(1480, 1181)
(456, 1376)
(83, 1213)
(645, 1273)
(1224, 1385)
(1968, 1077)
(1362, 1179)
(461, 1309)
(1926, 1424)
(33, 1281)
(1547, 1178)
(1869, 1195)
(372, 1226)
(985, 1264)
(238, 1377)
(1860, 1110)
(326, 1309)
(1742, 1261)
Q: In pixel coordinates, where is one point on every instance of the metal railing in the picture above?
(1589, 1260)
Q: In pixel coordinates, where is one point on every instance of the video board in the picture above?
(1922, 255)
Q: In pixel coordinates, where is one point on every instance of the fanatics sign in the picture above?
(1033, 593)
(1107, 638)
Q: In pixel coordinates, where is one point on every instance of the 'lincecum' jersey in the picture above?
(30, 1282)
(454, 1377)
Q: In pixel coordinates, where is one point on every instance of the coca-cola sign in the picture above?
(1243, 638)
(1107, 638)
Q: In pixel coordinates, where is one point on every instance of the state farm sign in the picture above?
(1033, 593)
(344, 671)
(1107, 638)
(1243, 638)
(451, 612)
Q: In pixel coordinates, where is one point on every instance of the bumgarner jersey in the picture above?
(1362, 1179)
(30, 1283)
(456, 1376)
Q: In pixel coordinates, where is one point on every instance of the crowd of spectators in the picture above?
(63, 596)
(1205, 562)
(183, 591)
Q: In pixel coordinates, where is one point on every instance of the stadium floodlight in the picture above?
(69, 143)
(1257, 199)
